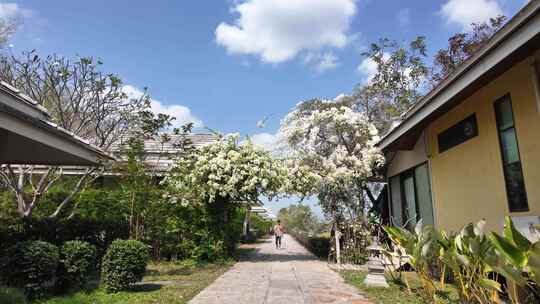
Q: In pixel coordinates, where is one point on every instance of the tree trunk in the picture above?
(337, 234)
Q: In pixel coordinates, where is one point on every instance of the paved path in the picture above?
(290, 275)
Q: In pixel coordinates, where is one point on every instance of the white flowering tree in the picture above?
(337, 144)
(225, 174)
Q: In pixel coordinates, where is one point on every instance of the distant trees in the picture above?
(300, 218)
(397, 83)
(461, 46)
(403, 76)
(8, 27)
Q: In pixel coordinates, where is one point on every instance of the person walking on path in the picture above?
(279, 230)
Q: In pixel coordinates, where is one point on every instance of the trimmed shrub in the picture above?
(12, 296)
(318, 245)
(123, 265)
(31, 265)
(100, 233)
(77, 261)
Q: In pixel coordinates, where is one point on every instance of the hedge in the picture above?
(99, 233)
(318, 245)
(30, 265)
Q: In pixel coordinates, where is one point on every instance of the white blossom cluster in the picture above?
(336, 142)
(230, 170)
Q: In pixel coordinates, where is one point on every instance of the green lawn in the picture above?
(396, 294)
(188, 282)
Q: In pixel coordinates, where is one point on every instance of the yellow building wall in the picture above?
(468, 180)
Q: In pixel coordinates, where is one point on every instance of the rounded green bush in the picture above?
(123, 265)
(12, 296)
(31, 265)
(77, 260)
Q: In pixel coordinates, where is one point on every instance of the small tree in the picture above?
(139, 174)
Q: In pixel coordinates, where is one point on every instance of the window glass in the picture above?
(410, 211)
(509, 146)
(512, 169)
(423, 194)
(504, 115)
(395, 193)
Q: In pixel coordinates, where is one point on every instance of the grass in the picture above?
(188, 281)
(397, 293)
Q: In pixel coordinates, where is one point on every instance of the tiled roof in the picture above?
(161, 155)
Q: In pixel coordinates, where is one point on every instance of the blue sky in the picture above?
(227, 64)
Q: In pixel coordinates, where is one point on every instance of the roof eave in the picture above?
(517, 32)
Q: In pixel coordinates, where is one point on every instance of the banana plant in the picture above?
(521, 258)
(469, 255)
(422, 247)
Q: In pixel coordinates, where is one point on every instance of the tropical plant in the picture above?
(469, 255)
(422, 247)
(521, 260)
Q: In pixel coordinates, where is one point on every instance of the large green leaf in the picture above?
(514, 236)
(479, 228)
(534, 262)
(395, 234)
(464, 260)
(490, 284)
(511, 273)
(474, 247)
(513, 254)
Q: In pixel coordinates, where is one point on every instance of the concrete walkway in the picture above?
(290, 275)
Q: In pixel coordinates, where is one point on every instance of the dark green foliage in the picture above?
(318, 245)
(12, 296)
(30, 265)
(102, 204)
(260, 226)
(99, 233)
(77, 261)
(123, 265)
(300, 218)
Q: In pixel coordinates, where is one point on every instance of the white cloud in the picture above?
(404, 17)
(182, 114)
(321, 62)
(11, 10)
(465, 12)
(367, 68)
(277, 30)
(267, 141)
